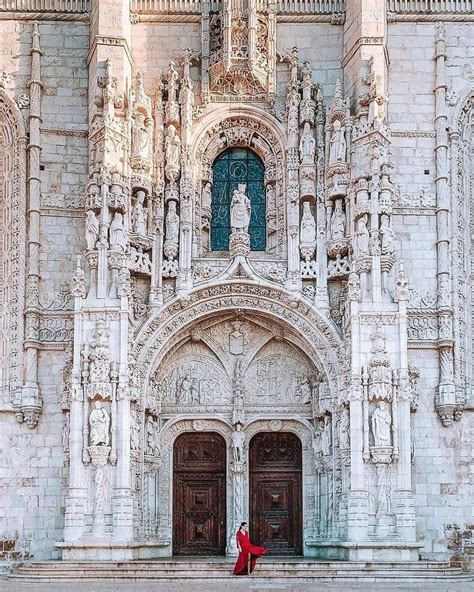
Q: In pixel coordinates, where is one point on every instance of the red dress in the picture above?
(248, 550)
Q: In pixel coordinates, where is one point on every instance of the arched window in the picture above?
(235, 166)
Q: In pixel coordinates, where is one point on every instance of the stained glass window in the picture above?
(237, 165)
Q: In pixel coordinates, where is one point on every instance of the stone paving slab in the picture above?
(241, 585)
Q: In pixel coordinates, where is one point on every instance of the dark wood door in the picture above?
(275, 493)
(199, 482)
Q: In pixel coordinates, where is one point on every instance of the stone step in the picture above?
(166, 570)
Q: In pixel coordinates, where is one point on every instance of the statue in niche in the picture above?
(142, 130)
(187, 393)
(307, 145)
(326, 436)
(117, 232)
(65, 432)
(99, 423)
(337, 149)
(139, 215)
(387, 235)
(206, 196)
(381, 425)
(172, 223)
(172, 148)
(150, 429)
(361, 238)
(317, 443)
(344, 426)
(238, 440)
(308, 226)
(338, 221)
(271, 198)
(92, 230)
(240, 210)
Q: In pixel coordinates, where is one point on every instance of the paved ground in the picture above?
(244, 584)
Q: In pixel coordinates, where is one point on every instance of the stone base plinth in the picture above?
(365, 551)
(89, 550)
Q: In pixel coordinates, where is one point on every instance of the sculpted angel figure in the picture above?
(240, 210)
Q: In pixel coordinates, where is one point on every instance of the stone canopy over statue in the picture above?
(240, 210)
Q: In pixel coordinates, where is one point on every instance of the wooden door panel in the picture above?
(275, 490)
(199, 495)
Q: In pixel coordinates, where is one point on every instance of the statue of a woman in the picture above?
(308, 226)
(139, 213)
(337, 150)
(240, 210)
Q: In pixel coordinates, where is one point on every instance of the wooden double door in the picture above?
(276, 492)
(199, 499)
(199, 493)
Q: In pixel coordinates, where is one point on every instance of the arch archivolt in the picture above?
(295, 321)
(12, 243)
(242, 127)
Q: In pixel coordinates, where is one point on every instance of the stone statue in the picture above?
(150, 436)
(117, 232)
(139, 214)
(305, 390)
(381, 425)
(92, 229)
(185, 393)
(65, 432)
(361, 238)
(308, 226)
(240, 210)
(387, 235)
(326, 436)
(307, 145)
(344, 427)
(206, 196)
(338, 222)
(271, 198)
(238, 439)
(172, 149)
(99, 423)
(337, 150)
(172, 223)
(142, 130)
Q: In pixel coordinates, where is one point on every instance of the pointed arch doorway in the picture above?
(275, 460)
(199, 494)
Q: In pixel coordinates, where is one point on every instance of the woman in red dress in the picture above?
(248, 553)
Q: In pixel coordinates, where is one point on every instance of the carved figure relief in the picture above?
(99, 425)
(92, 230)
(240, 210)
(361, 237)
(382, 425)
(338, 221)
(337, 150)
(118, 239)
(139, 214)
(308, 226)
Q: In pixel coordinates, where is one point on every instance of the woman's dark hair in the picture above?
(243, 524)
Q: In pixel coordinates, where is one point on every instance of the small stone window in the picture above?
(233, 167)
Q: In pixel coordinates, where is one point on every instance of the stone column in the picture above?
(446, 396)
(31, 398)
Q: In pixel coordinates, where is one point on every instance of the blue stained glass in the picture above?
(237, 165)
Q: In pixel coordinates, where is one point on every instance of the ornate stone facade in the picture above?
(350, 326)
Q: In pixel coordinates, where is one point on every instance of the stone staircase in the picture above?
(270, 569)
